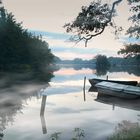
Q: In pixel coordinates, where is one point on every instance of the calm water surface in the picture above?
(65, 110)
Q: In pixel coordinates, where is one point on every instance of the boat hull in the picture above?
(118, 90)
(95, 81)
(116, 93)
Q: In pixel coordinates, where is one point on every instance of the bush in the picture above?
(126, 131)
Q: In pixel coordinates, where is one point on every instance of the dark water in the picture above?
(66, 114)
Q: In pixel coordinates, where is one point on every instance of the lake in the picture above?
(65, 114)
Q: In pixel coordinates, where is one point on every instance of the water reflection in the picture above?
(133, 104)
(42, 110)
(129, 69)
(43, 123)
(15, 90)
(102, 70)
(65, 104)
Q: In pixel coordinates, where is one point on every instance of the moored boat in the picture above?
(119, 90)
(95, 81)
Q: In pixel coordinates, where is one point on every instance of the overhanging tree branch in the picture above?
(92, 21)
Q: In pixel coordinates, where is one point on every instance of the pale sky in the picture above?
(51, 15)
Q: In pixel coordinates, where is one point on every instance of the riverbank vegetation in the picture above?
(126, 131)
(19, 49)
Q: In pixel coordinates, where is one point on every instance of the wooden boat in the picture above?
(94, 81)
(119, 90)
(92, 89)
(118, 102)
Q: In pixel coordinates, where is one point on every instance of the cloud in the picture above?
(51, 15)
(50, 35)
(104, 44)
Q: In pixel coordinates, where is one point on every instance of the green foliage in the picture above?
(79, 134)
(55, 136)
(20, 49)
(126, 131)
(134, 30)
(127, 61)
(130, 50)
(91, 18)
(102, 65)
(101, 60)
(91, 21)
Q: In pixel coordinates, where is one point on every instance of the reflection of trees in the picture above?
(114, 101)
(130, 69)
(15, 89)
(76, 66)
(102, 65)
(102, 70)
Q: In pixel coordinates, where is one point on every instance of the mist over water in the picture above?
(22, 99)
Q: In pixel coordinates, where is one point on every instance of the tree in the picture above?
(93, 19)
(102, 65)
(19, 48)
(131, 50)
(134, 30)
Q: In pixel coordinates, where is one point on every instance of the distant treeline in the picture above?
(77, 61)
(131, 61)
(113, 61)
(103, 65)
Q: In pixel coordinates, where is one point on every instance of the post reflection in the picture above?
(43, 123)
(42, 110)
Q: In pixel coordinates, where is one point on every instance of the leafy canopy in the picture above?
(92, 21)
(19, 48)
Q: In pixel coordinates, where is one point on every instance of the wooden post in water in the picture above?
(107, 77)
(84, 88)
(43, 104)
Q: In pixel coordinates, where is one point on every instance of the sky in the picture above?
(48, 17)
